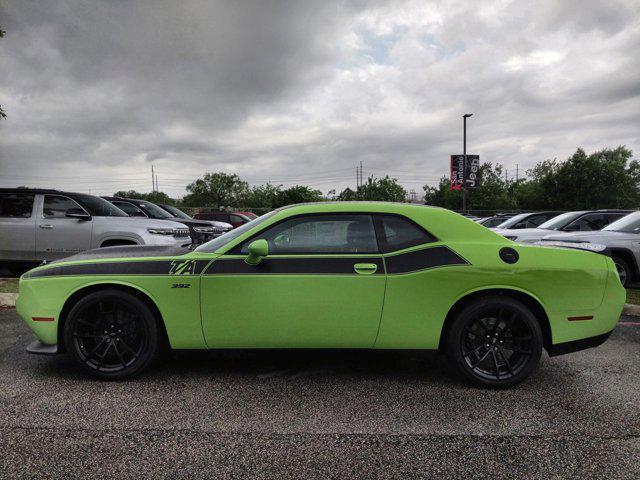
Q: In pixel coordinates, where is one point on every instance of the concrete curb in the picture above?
(8, 299)
(631, 310)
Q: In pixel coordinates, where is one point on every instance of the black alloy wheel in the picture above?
(112, 334)
(495, 342)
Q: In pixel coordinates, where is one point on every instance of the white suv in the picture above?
(37, 225)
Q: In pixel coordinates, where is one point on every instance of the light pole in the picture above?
(464, 164)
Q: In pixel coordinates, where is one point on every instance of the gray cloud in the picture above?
(302, 91)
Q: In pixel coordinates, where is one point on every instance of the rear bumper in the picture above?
(577, 345)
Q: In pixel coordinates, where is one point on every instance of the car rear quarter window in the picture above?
(397, 233)
(320, 234)
(16, 205)
(56, 206)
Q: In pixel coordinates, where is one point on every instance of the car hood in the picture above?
(520, 232)
(193, 223)
(601, 235)
(127, 251)
(140, 222)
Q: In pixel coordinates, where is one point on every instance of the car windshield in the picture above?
(556, 223)
(98, 207)
(177, 212)
(222, 240)
(628, 224)
(154, 210)
(513, 220)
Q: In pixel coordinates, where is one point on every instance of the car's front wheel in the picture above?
(113, 334)
(495, 342)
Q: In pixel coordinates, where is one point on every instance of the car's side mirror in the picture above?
(258, 249)
(77, 213)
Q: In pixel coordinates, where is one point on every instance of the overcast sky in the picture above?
(300, 92)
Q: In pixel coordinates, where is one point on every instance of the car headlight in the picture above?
(203, 229)
(162, 231)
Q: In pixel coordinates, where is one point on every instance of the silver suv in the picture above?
(37, 225)
(621, 237)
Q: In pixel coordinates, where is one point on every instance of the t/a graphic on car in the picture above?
(357, 275)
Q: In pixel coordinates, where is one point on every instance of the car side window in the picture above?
(320, 234)
(56, 206)
(16, 205)
(129, 209)
(537, 220)
(236, 219)
(612, 217)
(397, 233)
(586, 223)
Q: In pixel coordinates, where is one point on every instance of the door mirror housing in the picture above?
(258, 249)
(77, 213)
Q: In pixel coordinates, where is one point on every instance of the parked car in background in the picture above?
(527, 220)
(200, 231)
(621, 237)
(222, 227)
(587, 220)
(493, 221)
(41, 224)
(236, 219)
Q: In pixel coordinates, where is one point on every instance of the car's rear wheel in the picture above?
(495, 342)
(113, 334)
(624, 271)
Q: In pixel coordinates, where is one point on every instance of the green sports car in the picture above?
(329, 275)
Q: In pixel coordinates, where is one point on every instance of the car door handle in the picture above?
(46, 226)
(365, 268)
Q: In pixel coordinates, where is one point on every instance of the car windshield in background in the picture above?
(177, 212)
(628, 224)
(556, 223)
(222, 240)
(98, 207)
(154, 210)
(513, 220)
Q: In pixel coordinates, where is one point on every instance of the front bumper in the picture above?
(38, 348)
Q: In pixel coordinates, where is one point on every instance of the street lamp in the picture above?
(464, 165)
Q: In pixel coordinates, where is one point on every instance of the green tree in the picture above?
(153, 197)
(298, 194)
(217, 190)
(2, 114)
(382, 189)
(263, 196)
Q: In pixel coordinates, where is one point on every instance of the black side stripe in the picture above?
(299, 266)
(151, 267)
(422, 259)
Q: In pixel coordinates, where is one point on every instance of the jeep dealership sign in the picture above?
(469, 177)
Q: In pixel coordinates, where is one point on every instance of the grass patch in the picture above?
(633, 297)
(9, 285)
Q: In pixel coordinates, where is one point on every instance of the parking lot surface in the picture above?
(318, 415)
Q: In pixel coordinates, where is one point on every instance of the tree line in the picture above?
(608, 178)
(218, 190)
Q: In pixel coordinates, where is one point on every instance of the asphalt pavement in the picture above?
(318, 415)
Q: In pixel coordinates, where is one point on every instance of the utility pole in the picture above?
(516, 173)
(156, 182)
(361, 183)
(464, 155)
(153, 180)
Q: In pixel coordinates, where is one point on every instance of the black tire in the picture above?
(495, 342)
(112, 334)
(624, 270)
